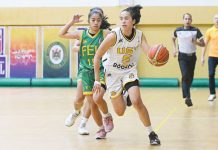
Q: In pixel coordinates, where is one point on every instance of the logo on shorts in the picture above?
(113, 93)
(131, 75)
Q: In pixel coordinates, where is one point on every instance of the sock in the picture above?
(149, 129)
(106, 115)
(84, 120)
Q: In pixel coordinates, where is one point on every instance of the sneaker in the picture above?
(211, 97)
(101, 134)
(126, 98)
(108, 123)
(154, 140)
(70, 120)
(188, 102)
(82, 129)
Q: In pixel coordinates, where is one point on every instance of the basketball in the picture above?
(158, 55)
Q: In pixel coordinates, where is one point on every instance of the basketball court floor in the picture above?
(33, 119)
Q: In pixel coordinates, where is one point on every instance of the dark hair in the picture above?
(97, 8)
(105, 24)
(134, 12)
(187, 14)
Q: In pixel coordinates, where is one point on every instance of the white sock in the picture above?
(149, 129)
(84, 120)
(106, 115)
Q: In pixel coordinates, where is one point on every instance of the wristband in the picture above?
(97, 83)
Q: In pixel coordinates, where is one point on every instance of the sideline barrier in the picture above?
(74, 82)
(159, 82)
(202, 82)
(51, 82)
(68, 82)
(15, 82)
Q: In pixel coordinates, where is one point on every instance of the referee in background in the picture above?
(188, 37)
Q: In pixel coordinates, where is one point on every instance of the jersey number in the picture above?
(126, 60)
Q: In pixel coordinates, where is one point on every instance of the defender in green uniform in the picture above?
(90, 41)
(89, 45)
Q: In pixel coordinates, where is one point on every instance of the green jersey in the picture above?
(88, 48)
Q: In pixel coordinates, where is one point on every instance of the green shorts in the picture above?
(88, 79)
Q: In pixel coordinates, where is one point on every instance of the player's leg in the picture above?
(87, 81)
(118, 104)
(115, 88)
(78, 103)
(101, 133)
(102, 105)
(85, 116)
(134, 93)
(131, 84)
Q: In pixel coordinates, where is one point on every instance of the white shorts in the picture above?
(115, 81)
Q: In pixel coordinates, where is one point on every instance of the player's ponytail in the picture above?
(135, 12)
(105, 24)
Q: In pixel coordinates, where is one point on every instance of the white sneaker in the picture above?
(70, 120)
(82, 129)
(211, 97)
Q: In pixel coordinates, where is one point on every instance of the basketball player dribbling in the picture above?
(123, 46)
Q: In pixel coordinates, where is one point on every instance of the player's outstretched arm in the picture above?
(64, 32)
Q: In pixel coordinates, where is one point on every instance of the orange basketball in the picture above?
(158, 55)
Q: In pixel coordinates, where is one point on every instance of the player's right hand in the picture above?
(76, 18)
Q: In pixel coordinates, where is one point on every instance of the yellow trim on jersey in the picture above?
(91, 35)
(117, 94)
(87, 93)
(126, 37)
(129, 82)
(102, 82)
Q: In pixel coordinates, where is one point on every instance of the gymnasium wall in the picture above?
(157, 23)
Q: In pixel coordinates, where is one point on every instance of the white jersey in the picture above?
(123, 56)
